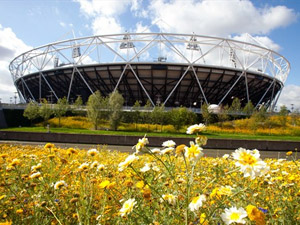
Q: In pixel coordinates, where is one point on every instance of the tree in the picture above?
(206, 114)
(136, 113)
(146, 116)
(235, 108)
(249, 108)
(223, 114)
(294, 117)
(61, 108)
(158, 115)
(76, 108)
(180, 116)
(283, 113)
(115, 103)
(45, 111)
(258, 117)
(96, 108)
(32, 111)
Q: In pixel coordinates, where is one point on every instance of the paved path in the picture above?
(207, 152)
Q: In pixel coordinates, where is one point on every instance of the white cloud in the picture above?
(10, 47)
(95, 8)
(140, 28)
(219, 18)
(105, 14)
(106, 25)
(258, 40)
(137, 9)
(290, 95)
(62, 24)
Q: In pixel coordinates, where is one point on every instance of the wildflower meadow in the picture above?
(173, 184)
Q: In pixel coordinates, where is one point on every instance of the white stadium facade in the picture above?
(164, 68)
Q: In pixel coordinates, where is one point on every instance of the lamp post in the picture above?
(201, 101)
(15, 97)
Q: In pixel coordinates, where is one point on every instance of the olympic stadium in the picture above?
(164, 68)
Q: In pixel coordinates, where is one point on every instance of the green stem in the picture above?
(187, 190)
(53, 215)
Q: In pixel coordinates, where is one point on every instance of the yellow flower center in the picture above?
(194, 201)
(234, 216)
(193, 151)
(248, 159)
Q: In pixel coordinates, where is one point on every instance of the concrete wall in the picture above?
(154, 141)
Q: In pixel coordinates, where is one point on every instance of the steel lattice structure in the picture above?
(174, 69)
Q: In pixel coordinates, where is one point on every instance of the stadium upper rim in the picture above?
(202, 67)
(190, 49)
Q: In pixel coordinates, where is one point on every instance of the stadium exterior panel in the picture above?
(169, 69)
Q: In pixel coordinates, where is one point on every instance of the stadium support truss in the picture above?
(173, 69)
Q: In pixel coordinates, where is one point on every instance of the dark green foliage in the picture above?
(158, 115)
(61, 108)
(206, 114)
(249, 108)
(115, 104)
(96, 108)
(180, 117)
(283, 113)
(45, 111)
(31, 111)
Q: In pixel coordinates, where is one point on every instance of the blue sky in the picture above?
(25, 24)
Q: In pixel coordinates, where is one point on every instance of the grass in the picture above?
(155, 134)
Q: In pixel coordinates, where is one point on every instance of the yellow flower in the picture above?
(193, 152)
(100, 167)
(35, 175)
(37, 167)
(289, 153)
(60, 184)
(179, 150)
(130, 159)
(201, 140)
(3, 156)
(203, 220)
(83, 166)
(19, 211)
(71, 151)
(249, 162)
(51, 156)
(94, 164)
(256, 215)
(127, 207)
(2, 196)
(104, 184)
(197, 202)
(220, 191)
(6, 223)
(169, 144)
(171, 199)
(146, 193)
(92, 152)
(73, 200)
(234, 215)
(196, 128)
(49, 145)
(140, 184)
(128, 183)
(15, 162)
(141, 144)
(166, 150)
